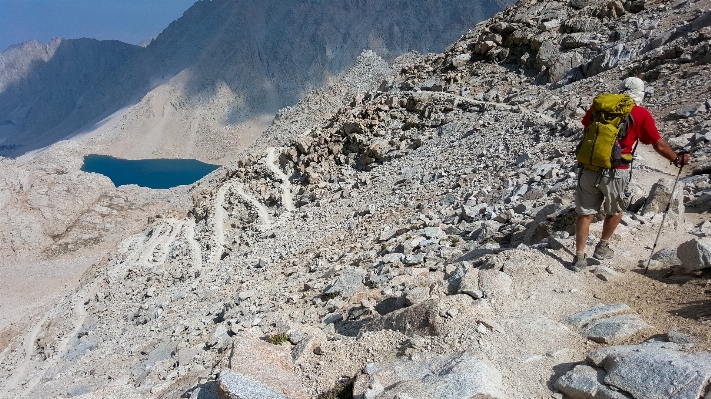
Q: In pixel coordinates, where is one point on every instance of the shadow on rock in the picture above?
(207, 390)
(351, 328)
(558, 371)
(389, 305)
(557, 258)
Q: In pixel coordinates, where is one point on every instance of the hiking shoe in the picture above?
(603, 251)
(578, 264)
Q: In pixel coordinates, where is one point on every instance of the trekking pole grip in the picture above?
(680, 158)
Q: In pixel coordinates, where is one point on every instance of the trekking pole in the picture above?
(664, 217)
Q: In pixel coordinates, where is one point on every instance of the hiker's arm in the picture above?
(586, 118)
(663, 149)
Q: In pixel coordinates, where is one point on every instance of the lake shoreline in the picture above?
(159, 173)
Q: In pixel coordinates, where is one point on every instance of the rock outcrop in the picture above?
(649, 370)
(455, 376)
(695, 255)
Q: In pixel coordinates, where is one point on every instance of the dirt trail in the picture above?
(218, 220)
(665, 300)
(147, 252)
(164, 245)
(286, 198)
(261, 209)
(220, 214)
(14, 383)
(189, 234)
(79, 315)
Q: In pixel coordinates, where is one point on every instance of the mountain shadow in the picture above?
(49, 92)
(268, 53)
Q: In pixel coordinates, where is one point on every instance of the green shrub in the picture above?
(278, 339)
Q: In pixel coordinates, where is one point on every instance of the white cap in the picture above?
(634, 87)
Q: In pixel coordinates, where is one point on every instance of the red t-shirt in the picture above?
(642, 128)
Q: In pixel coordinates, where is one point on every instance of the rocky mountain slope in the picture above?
(213, 79)
(61, 220)
(411, 239)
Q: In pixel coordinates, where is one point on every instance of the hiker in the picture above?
(607, 187)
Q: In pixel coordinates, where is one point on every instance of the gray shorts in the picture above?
(597, 190)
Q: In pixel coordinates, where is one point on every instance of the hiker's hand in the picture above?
(682, 159)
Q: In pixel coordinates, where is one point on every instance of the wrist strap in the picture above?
(679, 160)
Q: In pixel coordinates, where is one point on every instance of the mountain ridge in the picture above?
(266, 60)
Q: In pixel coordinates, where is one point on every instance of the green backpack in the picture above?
(600, 147)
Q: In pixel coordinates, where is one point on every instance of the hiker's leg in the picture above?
(582, 229)
(602, 249)
(615, 201)
(609, 225)
(588, 199)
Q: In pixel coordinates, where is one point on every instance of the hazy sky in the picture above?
(131, 21)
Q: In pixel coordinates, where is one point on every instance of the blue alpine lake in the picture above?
(151, 173)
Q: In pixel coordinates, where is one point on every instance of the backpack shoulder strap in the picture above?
(624, 126)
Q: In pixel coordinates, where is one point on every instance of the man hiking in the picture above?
(605, 188)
